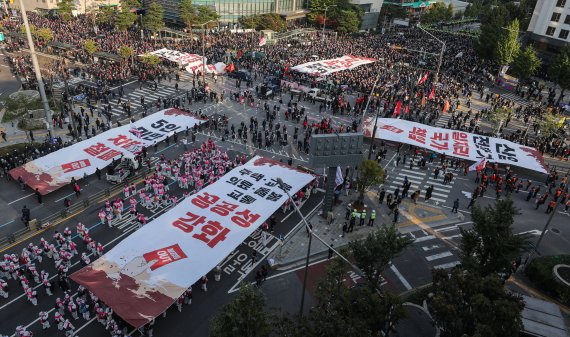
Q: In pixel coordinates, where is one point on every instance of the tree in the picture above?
(244, 316)
(105, 14)
(490, 247)
(525, 63)
(65, 8)
(186, 12)
(205, 14)
(150, 59)
(125, 19)
(493, 19)
(33, 29)
(90, 46)
(154, 17)
(370, 174)
(508, 45)
(438, 12)
(559, 70)
(125, 52)
(374, 254)
(333, 14)
(348, 22)
(466, 304)
(44, 34)
(550, 125)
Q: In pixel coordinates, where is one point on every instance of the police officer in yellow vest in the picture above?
(355, 215)
(362, 217)
(372, 218)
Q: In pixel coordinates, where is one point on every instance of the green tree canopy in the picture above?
(493, 20)
(186, 12)
(105, 14)
(64, 9)
(150, 59)
(90, 46)
(154, 17)
(370, 174)
(125, 52)
(45, 34)
(125, 19)
(559, 70)
(205, 14)
(272, 21)
(438, 12)
(334, 12)
(525, 63)
(490, 246)
(244, 316)
(348, 22)
(374, 254)
(466, 304)
(33, 29)
(508, 45)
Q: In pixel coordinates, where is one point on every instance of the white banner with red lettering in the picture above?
(192, 62)
(144, 274)
(458, 144)
(56, 169)
(325, 67)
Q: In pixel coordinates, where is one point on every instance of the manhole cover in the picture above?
(555, 230)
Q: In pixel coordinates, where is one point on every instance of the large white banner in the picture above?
(458, 144)
(144, 274)
(56, 169)
(325, 67)
(192, 62)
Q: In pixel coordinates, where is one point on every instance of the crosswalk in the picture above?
(515, 98)
(150, 96)
(443, 120)
(435, 252)
(71, 81)
(421, 179)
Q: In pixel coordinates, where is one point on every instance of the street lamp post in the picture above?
(375, 116)
(311, 234)
(440, 53)
(325, 21)
(37, 71)
(204, 49)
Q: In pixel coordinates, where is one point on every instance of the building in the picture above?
(549, 26)
(231, 10)
(81, 6)
(414, 7)
(369, 21)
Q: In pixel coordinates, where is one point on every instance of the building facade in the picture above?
(549, 26)
(369, 21)
(231, 10)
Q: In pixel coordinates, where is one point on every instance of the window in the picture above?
(563, 34)
(555, 17)
(561, 3)
(550, 31)
(567, 20)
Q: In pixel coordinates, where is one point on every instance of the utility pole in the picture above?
(204, 49)
(37, 71)
(325, 22)
(71, 119)
(440, 53)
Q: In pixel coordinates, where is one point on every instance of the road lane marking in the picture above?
(401, 277)
(439, 256)
(29, 195)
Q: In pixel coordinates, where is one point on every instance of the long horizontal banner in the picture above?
(56, 169)
(326, 67)
(192, 62)
(457, 143)
(144, 274)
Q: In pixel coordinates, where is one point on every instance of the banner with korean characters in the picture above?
(325, 67)
(144, 274)
(192, 62)
(56, 169)
(456, 143)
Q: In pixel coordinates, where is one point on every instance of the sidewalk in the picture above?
(293, 252)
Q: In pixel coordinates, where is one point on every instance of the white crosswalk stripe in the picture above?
(150, 96)
(443, 120)
(515, 98)
(434, 251)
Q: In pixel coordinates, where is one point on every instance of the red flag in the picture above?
(431, 94)
(478, 166)
(262, 41)
(423, 99)
(286, 69)
(239, 54)
(406, 110)
(397, 108)
(230, 68)
(422, 79)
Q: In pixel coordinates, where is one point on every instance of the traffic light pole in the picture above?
(41, 87)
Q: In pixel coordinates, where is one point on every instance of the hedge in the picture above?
(540, 273)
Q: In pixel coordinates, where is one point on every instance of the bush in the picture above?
(418, 295)
(541, 274)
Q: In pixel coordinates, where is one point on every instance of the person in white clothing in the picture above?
(44, 319)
